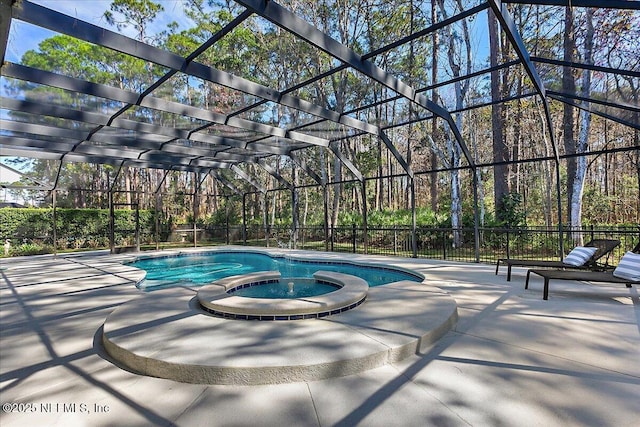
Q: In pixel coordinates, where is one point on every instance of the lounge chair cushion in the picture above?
(579, 255)
(628, 267)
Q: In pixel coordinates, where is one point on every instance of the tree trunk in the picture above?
(337, 190)
(127, 186)
(454, 150)
(500, 152)
(474, 137)
(583, 138)
(433, 178)
(295, 209)
(407, 188)
(196, 197)
(546, 170)
(569, 86)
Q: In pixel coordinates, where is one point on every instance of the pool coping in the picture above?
(215, 298)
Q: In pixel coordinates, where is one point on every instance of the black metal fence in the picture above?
(431, 242)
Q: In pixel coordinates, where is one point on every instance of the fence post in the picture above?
(508, 243)
(444, 244)
(395, 239)
(157, 221)
(226, 220)
(244, 219)
(331, 236)
(55, 231)
(353, 236)
(137, 233)
(112, 248)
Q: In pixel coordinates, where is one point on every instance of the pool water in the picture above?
(204, 268)
(302, 288)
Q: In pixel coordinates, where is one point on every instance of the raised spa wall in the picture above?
(217, 299)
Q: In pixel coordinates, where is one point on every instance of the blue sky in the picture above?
(24, 37)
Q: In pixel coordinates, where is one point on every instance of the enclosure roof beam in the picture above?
(65, 24)
(509, 28)
(167, 158)
(407, 39)
(55, 21)
(115, 178)
(22, 174)
(101, 154)
(268, 148)
(26, 187)
(273, 172)
(108, 92)
(64, 147)
(5, 24)
(563, 98)
(218, 176)
(97, 118)
(305, 167)
(607, 4)
(418, 34)
(16, 141)
(627, 107)
(29, 152)
(82, 158)
(38, 129)
(43, 77)
(354, 170)
(287, 20)
(242, 174)
(162, 166)
(396, 154)
(164, 178)
(137, 142)
(582, 66)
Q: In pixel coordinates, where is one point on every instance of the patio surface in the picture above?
(511, 359)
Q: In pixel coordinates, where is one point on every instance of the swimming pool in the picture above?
(202, 268)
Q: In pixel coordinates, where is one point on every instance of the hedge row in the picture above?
(75, 228)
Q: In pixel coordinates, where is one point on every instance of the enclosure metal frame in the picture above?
(159, 149)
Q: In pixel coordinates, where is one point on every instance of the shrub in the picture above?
(75, 228)
(30, 249)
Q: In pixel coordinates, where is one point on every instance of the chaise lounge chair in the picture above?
(585, 276)
(603, 247)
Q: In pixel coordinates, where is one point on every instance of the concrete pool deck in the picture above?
(511, 359)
